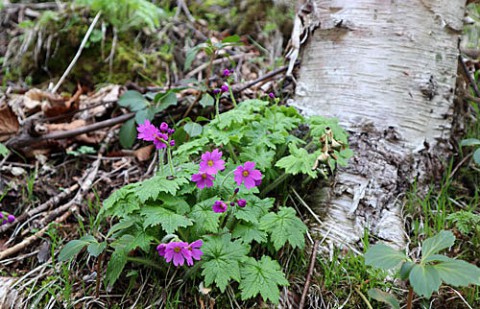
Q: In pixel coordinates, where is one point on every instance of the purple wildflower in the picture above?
(241, 203)
(224, 88)
(147, 131)
(203, 180)
(232, 204)
(178, 251)
(163, 127)
(236, 190)
(10, 218)
(227, 72)
(1, 215)
(170, 131)
(161, 249)
(172, 143)
(216, 91)
(247, 174)
(271, 95)
(219, 207)
(195, 251)
(212, 162)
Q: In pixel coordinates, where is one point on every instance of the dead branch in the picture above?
(313, 257)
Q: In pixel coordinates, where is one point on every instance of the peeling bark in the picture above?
(387, 70)
(9, 298)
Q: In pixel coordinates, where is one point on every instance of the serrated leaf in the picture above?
(128, 133)
(262, 277)
(150, 188)
(470, 142)
(298, 162)
(384, 297)
(169, 220)
(222, 259)
(115, 266)
(133, 100)
(95, 249)
(193, 129)
(122, 225)
(71, 249)
(432, 245)
(248, 232)
(205, 219)
(425, 280)
(255, 209)
(458, 272)
(383, 257)
(284, 226)
(4, 150)
(206, 101)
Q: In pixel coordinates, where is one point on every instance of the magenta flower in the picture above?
(247, 174)
(219, 207)
(10, 218)
(227, 72)
(195, 251)
(1, 215)
(271, 95)
(216, 91)
(147, 131)
(178, 251)
(160, 141)
(224, 88)
(212, 162)
(172, 143)
(241, 203)
(163, 127)
(203, 180)
(161, 248)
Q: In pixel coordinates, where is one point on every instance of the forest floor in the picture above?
(67, 144)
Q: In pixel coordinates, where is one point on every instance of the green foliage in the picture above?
(465, 221)
(426, 276)
(169, 207)
(3, 150)
(468, 142)
(384, 297)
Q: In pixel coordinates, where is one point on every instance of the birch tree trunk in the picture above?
(387, 71)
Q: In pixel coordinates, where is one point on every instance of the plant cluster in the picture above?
(208, 209)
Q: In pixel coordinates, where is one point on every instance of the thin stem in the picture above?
(144, 262)
(232, 97)
(170, 163)
(161, 155)
(410, 298)
(217, 110)
(274, 184)
(226, 176)
(232, 152)
(99, 265)
(363, 297)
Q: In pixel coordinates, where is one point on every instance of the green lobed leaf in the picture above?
(432, 245)
(262, 277)
(71, 249)
(384, 297)
(298, 162)
(206, 101)
(458, 272)
(151, 188)
(95, 249)
(193, 129)
(205, 219)
(284, 227)
(169, 220)
(128, 134)
(255, 209)
(383, 257)
(133, 100)
(425, 280)
(248, 232)
(222, 259)
(115, 266)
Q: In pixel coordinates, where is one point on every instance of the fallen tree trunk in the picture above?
(387, 71)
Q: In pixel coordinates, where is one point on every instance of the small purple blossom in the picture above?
(227, 72)
(203, 180)
(161, 249)
(236, 190)
(1, 215)
(195, 251)
(163, 127)
(216, 91)
(178, 252)
(10, 218)
(224, 88)
(232, 204)
(170, 131)
(271, 95)
(172, 143)
(247, 174)
(219, 207)
(212, 162)
(147, 131)
(241, 203)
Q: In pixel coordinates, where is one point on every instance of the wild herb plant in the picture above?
(203, 207)
(424, 276)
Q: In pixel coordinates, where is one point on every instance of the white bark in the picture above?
(387, 70)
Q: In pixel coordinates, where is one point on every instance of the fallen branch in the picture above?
(48, 204)
(28, 241)
(24, 140)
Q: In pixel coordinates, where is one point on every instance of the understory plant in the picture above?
(206, 208)
(424, 276)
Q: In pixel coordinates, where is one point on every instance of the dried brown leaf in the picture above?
(144, 153)
(8, 123)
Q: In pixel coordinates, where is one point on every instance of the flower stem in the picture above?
(217, 110)
(161, 154)
(274, 184)
(232, 152)
(226, 176)
(410, 297)
(232, 97)
(169, 155)
(143, 261)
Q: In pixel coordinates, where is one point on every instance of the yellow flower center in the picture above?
(245, 174)
(204, 176)
(177, 249)
(210, 163)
